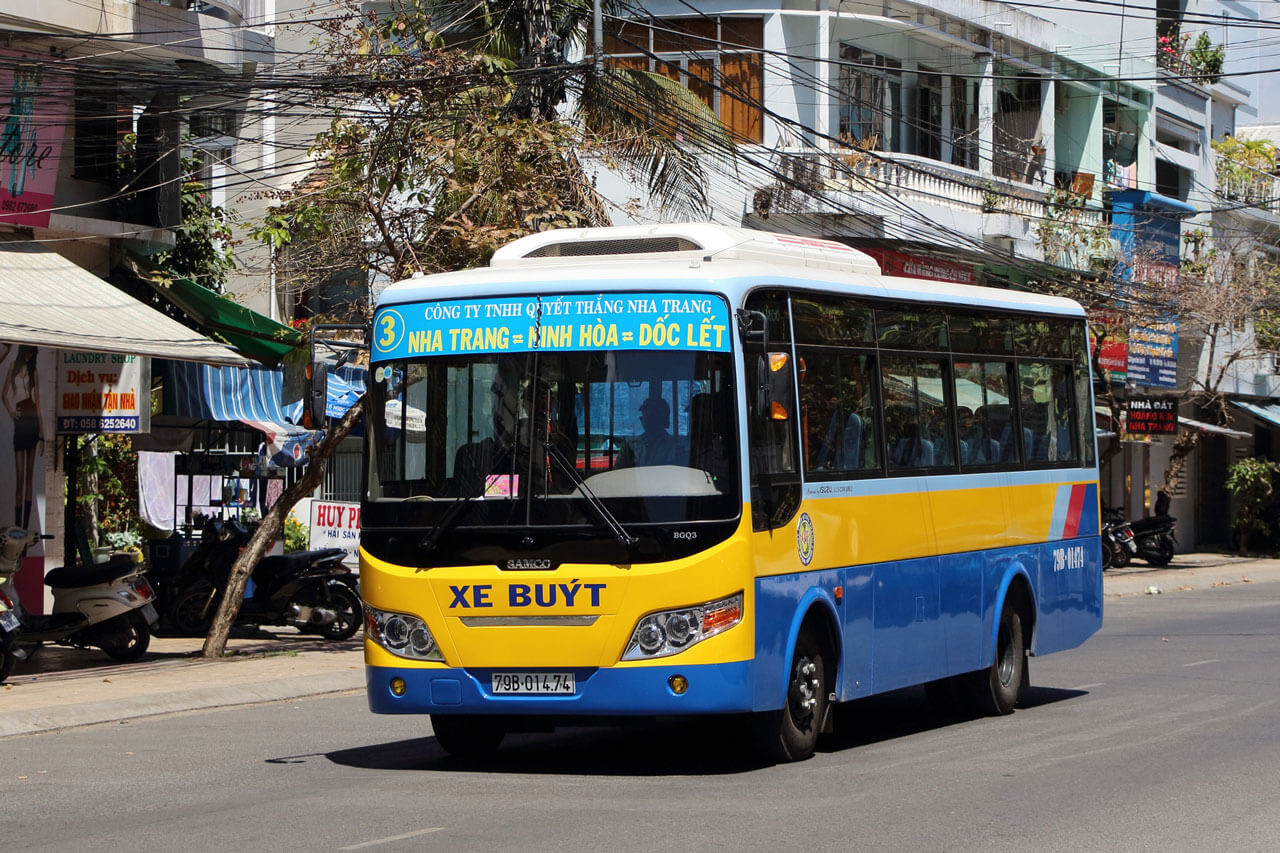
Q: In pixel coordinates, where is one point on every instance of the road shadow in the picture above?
(674, 747)
(678, 747)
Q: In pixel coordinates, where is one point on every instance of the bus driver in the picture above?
(654, 445)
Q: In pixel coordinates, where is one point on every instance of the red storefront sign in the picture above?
(914, 266)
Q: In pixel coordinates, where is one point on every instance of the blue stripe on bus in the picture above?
(913, 621)
(633, 691)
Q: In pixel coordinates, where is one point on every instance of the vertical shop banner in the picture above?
(103, 392)
(1153, 355)
(335, 524)
(36, 110)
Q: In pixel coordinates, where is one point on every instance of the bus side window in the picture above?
(772, 434)
(839, 416)
(917, 425)
(982, 395)
(1046, 410)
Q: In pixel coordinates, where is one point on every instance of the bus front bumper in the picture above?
(623, 691)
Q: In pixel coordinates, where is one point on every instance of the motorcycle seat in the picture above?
(1155, 522)
(281, 564)
(67, 577)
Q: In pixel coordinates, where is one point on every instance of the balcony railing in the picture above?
(1244, 184)
(909, 176)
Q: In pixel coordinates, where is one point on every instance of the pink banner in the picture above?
(34, 104)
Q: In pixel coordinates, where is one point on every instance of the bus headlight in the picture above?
(669, 631)
(401, 634)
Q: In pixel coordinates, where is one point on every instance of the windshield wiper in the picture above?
(607, 518)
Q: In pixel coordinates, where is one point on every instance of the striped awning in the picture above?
(251, 395)
(247, 394)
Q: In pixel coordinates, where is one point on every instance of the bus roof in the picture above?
(696, 257)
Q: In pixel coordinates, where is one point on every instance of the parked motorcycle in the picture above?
(1118, 545)
(308, 590)
(1154, 536)
(108, 605)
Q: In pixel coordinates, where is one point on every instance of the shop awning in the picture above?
(248, 332)
(1269, 412)
(251, 395)
(207, 393)
(1213, 428)
(46, 300)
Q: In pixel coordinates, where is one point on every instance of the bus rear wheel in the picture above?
(791, 733)
(994, 691)
(468, 736)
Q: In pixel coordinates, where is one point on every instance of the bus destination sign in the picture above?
(615, 321)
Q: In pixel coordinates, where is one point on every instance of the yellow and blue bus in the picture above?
(689, 469)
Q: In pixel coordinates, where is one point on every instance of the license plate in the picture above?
(533, 683)
(9, 620)
(149, 613)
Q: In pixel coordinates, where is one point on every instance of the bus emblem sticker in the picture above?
(804, 538)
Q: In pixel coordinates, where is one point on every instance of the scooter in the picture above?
(9, 624)
(108, 605)
(1154, 536)
(308, 590)
(1118, 545)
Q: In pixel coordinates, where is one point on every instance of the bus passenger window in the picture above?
(918, 431)
(838, 413)
(1045, 404)
(982, 404)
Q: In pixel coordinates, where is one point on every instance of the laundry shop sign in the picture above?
(103, 392)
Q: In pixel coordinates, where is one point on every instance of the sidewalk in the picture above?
(63, 688)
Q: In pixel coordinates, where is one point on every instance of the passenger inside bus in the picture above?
(654, 445)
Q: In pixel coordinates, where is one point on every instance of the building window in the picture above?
(719, 59)
(870, 99)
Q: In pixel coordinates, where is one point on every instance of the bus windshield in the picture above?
(553, 438)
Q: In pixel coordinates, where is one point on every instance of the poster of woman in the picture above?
(26, 442)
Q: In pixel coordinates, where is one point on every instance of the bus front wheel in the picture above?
(468, 736)
(791, 733)
(994, 691)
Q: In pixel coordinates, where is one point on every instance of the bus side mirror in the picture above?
(317, 394)
(775, 393)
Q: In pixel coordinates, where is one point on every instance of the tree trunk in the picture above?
(215, 644)
(1183, 446)
(89, 492)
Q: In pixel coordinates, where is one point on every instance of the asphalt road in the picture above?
(1161, 733)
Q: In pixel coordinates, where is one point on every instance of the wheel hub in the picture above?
(805, 687)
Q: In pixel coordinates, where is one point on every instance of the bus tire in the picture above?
(791, 733)
(994, 691)
(468, 736)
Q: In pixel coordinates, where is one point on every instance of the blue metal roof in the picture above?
(1269, 412)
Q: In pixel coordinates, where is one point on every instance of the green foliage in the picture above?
(1206, 58)
(1266, 328)
(121, 539)
(1245, 169)
(1252, 482)
(203, 250)
(115, 465)
(297, 535)
(1073, 235)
